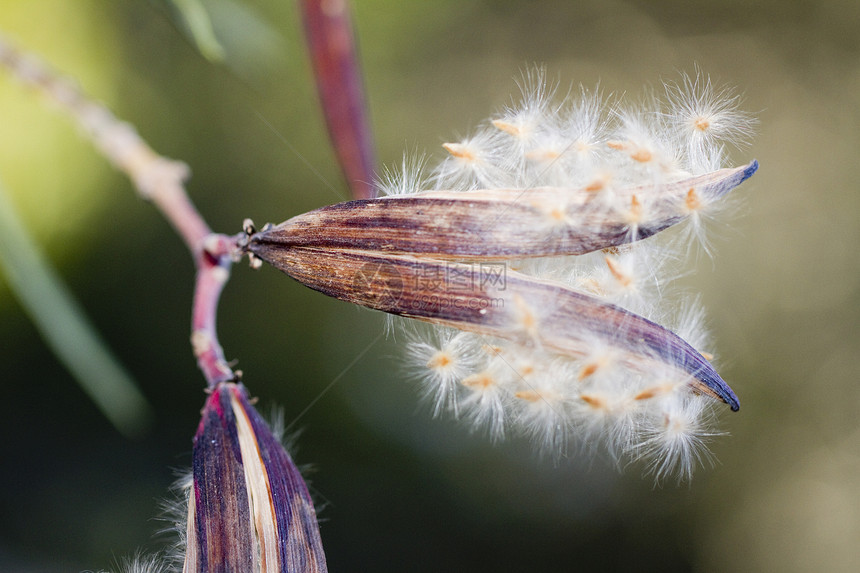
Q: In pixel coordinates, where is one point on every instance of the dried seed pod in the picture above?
(500, 224)
(527, 330)
(249, 509)
(489, 299)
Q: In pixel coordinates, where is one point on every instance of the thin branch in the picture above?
(157, 179)
(213, 271)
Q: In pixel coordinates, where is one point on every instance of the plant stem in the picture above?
(157, 179)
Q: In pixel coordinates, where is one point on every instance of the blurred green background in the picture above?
(401, 491)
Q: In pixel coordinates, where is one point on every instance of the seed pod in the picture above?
(499, 224)
(567, 345)
(491, 300)
(249, 509)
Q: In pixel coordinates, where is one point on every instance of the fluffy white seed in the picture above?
(595, 395)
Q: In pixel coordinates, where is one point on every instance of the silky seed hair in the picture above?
(600, 398)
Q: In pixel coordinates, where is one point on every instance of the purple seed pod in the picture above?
(249, 509)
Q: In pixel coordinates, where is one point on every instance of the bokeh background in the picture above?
(401, 491)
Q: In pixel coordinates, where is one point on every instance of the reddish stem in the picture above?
(328, 28)
(213, 258)
(177, 208)
(213, 270)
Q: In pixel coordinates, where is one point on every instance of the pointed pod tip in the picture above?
(750, 170)
(726, 395)
(710, 383)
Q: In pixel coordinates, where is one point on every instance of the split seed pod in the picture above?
(384, 254)
(531, 327)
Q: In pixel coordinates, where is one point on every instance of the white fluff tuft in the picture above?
(598, 396)
(705, 118)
